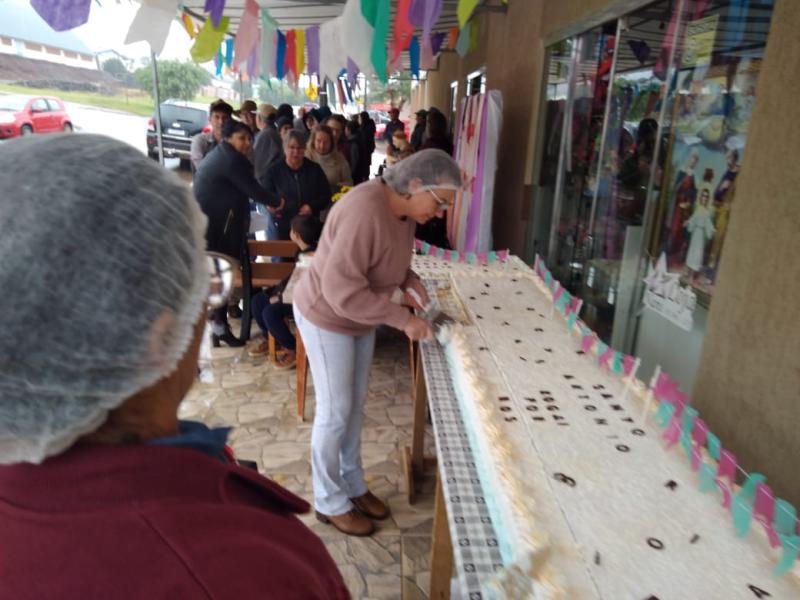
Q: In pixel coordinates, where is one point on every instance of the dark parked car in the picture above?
(180, 122)
(24, 115)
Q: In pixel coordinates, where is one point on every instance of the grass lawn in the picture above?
(137, 102)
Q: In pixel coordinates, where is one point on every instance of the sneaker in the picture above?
(258, 349)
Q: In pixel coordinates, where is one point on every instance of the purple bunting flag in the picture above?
(62, 15)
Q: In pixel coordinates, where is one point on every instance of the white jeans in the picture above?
(340, 367)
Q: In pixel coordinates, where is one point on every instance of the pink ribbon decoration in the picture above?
(628, 363)
(606, 357)
(764, 512)
(697, 458)
(417, 244)
(726, 468)
(700, 432)
(587, 342)
(536, 260)
(502, 255)
(483, 258)
(557, 291)
(673, 432)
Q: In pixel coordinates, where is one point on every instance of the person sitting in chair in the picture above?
(269, 309)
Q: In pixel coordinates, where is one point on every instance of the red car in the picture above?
(23, 115)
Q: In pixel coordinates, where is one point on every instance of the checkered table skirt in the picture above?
(475, 550)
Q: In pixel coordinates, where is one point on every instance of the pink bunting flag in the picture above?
(502, 255)
(587, 342)
(673, 432)
(604, 360)
(700, 432)
(726, 470)
(764, 512)
(247, 35)
(558, 291)
(628, 364)
(697, 458)
(417, 244)
(483, 259)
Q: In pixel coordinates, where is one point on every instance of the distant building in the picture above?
(24, 33)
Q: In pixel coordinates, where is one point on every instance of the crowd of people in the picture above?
(289, 165)
(98, 403)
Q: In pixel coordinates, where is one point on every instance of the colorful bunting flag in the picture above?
(413, 52)
(151, 24)
(403, 29)
(312, 44)
(300, 51)
(215, 8)
(62, 16)
(465, 10)
(188, 25)
(378, 14)
(247, 33)
(208, 40)
(229, 43)
(280, 55)
(268, 42)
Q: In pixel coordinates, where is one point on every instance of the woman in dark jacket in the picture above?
(435, 231)
(296, 185)
(223, 185)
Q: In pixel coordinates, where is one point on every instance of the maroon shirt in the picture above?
(154, 522)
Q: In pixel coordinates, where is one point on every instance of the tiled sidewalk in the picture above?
(259, 401)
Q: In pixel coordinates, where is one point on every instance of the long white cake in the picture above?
(586, 500)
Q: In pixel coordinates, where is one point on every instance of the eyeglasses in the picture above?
(222, 271)
(440, 204)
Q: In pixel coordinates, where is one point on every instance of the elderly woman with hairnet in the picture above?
(104, 493)
(364, 256)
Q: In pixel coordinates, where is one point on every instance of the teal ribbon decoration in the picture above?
(688, 418)
(471, 258)
(791, 547)
(573, 316)
(714, 445)
(426, 248)
(492, 256)
(785, 517)
(708, 475)
(742, 508)
(454, 255)
(547, 278)
(616, 364)
(440, 252)
(686, 442)
(664, 413)
(561, 304)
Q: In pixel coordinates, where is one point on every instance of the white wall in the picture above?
(48, 53)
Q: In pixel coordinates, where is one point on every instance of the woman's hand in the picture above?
(418, 329)
(416, 285)
(304, 210)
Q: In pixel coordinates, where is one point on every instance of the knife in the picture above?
(438, 319)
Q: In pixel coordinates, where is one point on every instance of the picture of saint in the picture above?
(701, 229)
(723, 198)
(685, 193)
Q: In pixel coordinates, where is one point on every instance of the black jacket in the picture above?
(307, 185)
(223, 184)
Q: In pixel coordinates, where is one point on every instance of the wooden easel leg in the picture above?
(441, 548)
(414, 460)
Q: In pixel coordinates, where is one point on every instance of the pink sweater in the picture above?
(363, 257)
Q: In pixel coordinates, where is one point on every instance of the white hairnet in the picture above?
(97, 243)
(434, 168)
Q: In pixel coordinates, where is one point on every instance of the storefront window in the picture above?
(651, 123)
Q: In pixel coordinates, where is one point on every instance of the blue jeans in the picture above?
(340, 368)
(271, 318)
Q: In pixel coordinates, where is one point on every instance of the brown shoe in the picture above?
(287, 360)
(352, 522)
(258, 349)
(371, 506)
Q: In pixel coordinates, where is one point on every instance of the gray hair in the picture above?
(431, 167)
(95, 253)
(295, 135)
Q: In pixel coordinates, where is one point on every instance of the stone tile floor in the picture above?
(259, 402)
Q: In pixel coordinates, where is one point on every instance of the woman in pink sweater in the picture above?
(362, 259)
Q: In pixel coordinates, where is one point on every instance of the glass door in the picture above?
(591, 60)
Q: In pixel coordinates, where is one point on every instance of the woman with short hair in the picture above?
(223, 185)
(364, 256)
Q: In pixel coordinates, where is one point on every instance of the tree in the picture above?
(395, 92)
(117, 69)
(278, 92)
(176, 80)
